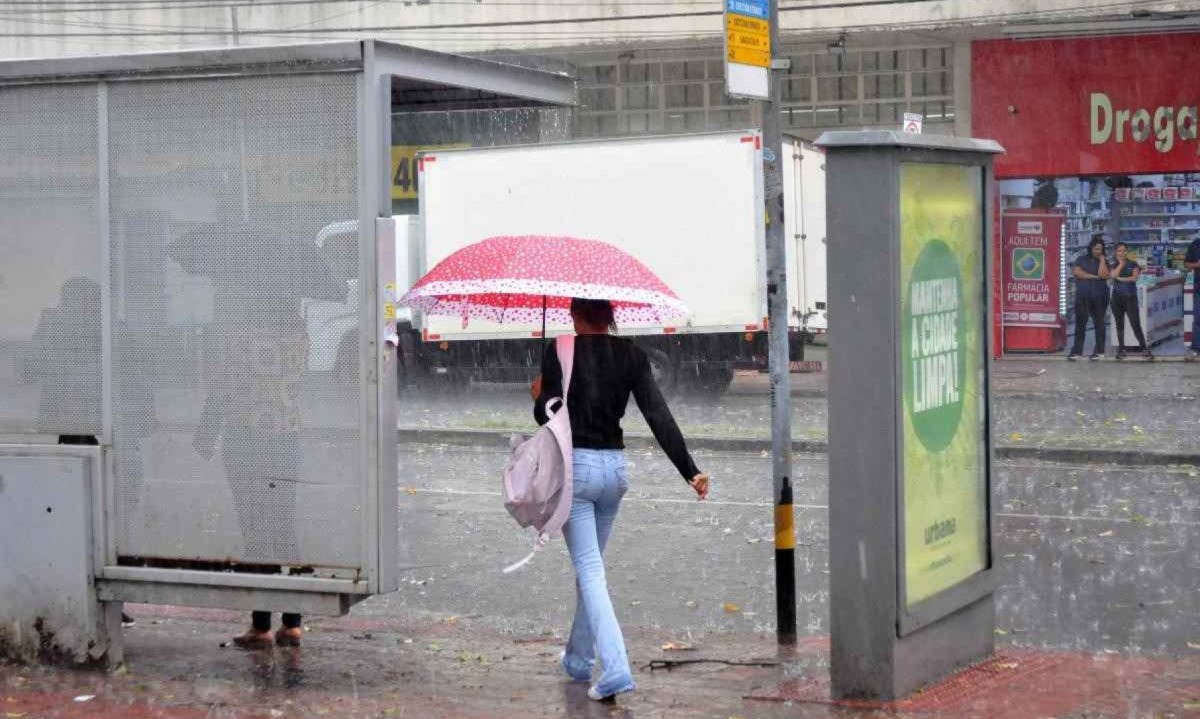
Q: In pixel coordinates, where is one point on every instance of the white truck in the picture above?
(804, 227)
(690, 207)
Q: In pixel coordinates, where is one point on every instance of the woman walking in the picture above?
(606, 371)
(1125, 301)
(1091, 296)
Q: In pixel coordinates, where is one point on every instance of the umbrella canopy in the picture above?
(529, 278)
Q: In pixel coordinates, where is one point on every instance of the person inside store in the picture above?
(1125, 301)
(1191, 261)
(1091, 296)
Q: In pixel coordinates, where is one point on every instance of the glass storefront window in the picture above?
(837, 88)
(797, 90)
(641, 97)
(598, 98)
(878, 87)
(689, 95)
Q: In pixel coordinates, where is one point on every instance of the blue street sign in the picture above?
(753, 8)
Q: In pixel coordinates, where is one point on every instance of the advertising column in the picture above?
(1032, 280)
(912, 580)
(944, 438)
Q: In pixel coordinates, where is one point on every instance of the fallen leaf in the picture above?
(1008, 665)
(1015, 437)
(85, 698)
(1191, 705)
(433, 647)
(14, 715)
(411, 490)
(1109, 533)
(731, 608)
(677, 647)
(690, 604)
(1001, 633)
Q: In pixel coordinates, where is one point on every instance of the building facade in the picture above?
(643, 67)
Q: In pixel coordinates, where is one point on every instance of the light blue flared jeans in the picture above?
(600, 482)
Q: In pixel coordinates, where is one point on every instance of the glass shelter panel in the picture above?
(236, 321)
(50, 332)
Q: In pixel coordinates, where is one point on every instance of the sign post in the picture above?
(748, 41)
(751, 31)
(910, 434)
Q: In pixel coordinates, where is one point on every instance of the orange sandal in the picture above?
(289, 636)
(253, 639)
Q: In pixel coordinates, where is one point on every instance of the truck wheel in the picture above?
(452, 381)
(662, 369)
(711, 380)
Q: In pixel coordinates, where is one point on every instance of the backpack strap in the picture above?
(565, 345)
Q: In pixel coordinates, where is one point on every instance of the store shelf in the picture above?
(1161, 214)
(1151, 202)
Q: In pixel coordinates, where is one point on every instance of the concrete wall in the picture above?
(81, 27)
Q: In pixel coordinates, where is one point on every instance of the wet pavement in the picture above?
(1098, 613)
(1092, 558)
(1039, 406)
(453, 667)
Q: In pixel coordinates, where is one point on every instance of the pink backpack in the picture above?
(537, 481)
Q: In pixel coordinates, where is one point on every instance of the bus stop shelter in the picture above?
(168, 430)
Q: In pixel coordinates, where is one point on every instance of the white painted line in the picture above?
(1114, 520)
(824, 507)
(636, 500)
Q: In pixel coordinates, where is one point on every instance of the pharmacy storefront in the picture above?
(1101, 141)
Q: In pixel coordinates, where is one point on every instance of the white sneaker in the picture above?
(595, 695)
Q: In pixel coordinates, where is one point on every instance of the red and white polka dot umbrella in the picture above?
(516, 279)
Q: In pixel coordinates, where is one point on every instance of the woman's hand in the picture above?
(535, 389)
(700, 484)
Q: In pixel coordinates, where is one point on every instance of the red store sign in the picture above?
(1089, 106)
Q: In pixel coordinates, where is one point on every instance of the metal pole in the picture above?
(233, 21)
(779, 359)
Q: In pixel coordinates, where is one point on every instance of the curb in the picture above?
(1065, 455)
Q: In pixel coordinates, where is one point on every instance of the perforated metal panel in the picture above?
(50, 364)
(235, 338)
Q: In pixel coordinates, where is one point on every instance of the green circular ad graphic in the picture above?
(934, 346)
